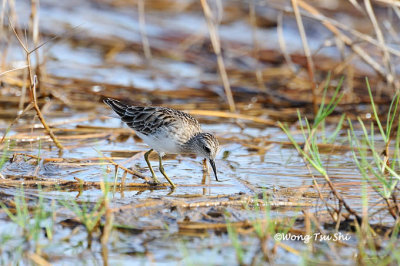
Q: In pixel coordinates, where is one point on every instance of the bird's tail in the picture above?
(116, 105)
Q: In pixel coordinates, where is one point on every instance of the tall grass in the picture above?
(4, 156)
(310, 151)
(31, 220)
(264, 229)
(89, 214)
(34, 223)
(377, 163)
(380, 171)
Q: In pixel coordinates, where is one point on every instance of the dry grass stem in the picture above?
(214, 37)
(142, 23)
(348, 41)
(186, 67)
(307, 52)
(34, 82)
(282, 43)
(390, 77)
(253, 22)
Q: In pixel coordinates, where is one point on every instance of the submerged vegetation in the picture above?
(310, 155)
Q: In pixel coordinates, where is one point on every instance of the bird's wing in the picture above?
(147, 120)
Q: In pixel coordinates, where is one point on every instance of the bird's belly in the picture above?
(161, 143)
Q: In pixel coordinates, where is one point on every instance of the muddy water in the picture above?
(100, 46)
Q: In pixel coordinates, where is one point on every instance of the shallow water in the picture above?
(100, 54)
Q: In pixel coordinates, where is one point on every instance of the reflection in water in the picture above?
(98, 54)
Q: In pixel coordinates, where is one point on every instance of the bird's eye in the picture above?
(207, 149)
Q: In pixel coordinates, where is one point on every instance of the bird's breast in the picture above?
(162, 142)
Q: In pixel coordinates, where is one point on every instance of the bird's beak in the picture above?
(212, 162)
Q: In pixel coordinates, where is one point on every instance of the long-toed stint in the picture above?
(167, 130)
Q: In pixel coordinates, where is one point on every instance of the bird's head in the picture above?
(206, 145)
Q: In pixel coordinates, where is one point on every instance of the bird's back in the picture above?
(151, 121)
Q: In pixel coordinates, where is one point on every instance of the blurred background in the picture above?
(166, 46)
(240, 67)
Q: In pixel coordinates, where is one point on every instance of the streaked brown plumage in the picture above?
(167, 130)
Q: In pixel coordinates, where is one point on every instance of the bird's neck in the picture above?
(190, 146)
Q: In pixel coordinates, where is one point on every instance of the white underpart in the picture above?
(162, 143)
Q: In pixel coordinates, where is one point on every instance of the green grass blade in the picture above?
(375, 112)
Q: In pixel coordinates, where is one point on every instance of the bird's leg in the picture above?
(163, 172)
(146, 157)
(205, 171)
